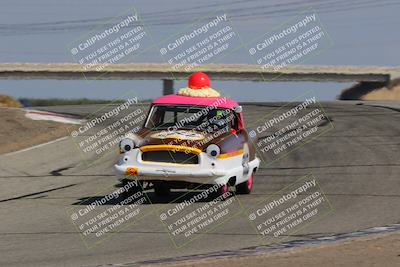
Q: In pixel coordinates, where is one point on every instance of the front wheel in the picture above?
(245, 187)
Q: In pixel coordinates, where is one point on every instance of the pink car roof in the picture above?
(173, 100)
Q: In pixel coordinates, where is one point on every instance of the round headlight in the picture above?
(126, 145)
(213, 150)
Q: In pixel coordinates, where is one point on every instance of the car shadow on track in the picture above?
(151, 198)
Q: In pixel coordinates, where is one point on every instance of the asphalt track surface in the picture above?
(356, 163)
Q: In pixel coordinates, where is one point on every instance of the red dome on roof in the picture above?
(198, 80)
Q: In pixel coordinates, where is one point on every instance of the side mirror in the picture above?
(238, 109)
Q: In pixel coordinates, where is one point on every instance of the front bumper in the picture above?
(208, 171)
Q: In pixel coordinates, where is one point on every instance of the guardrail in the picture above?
(165, 72)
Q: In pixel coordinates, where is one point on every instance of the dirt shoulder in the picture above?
(18, 132)
(366, 251)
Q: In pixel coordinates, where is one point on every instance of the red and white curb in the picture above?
(50, 116)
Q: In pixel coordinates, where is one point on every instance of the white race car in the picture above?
(188, 141)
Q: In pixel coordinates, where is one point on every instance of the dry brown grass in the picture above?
(9, 102)
(391, 92)
(18, 132)
(373, 91)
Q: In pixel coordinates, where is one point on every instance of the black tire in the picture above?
(245, 187)
(162, 189)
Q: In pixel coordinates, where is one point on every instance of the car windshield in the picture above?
(188, 117)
